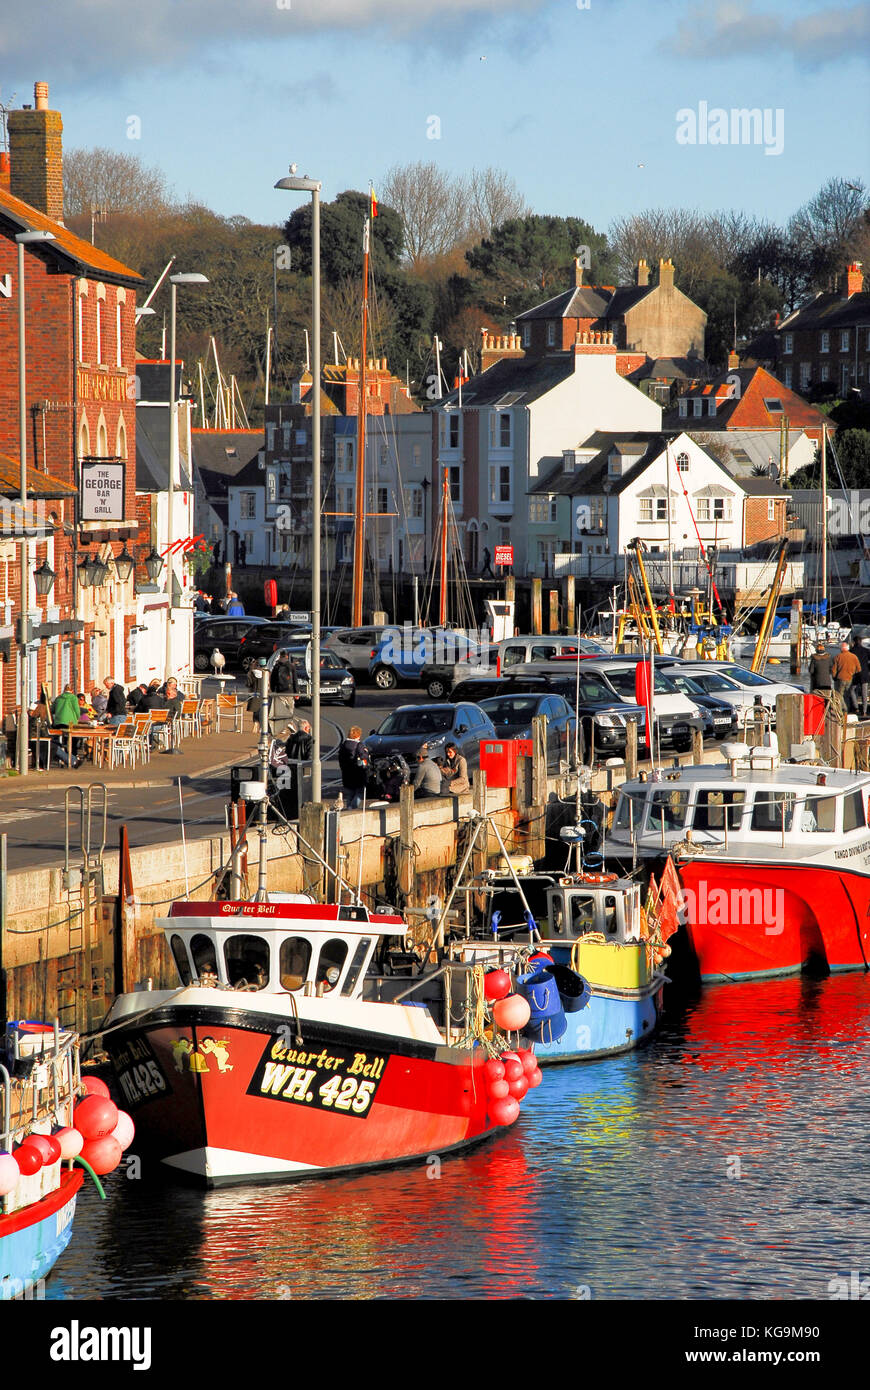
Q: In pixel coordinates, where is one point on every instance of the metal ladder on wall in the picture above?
(84, 885)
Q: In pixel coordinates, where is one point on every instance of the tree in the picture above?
(341, 234)
(103, 178)
(529, 259)
(431, 206)
(492, 198)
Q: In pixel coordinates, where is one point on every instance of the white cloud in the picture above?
(735, 30)
(88, 37)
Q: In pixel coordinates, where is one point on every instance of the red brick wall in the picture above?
(756, 525)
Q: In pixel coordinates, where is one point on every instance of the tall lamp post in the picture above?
(313, 186)
(190, 278)
(23, 736)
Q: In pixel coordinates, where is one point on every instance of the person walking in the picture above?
(820, 670)
(353, 763)
(427, 778)
(454, 771)
(844, 669)
(862, 651)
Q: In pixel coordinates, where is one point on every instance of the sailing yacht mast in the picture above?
(824, 601)
(360, 498)
(445, 498)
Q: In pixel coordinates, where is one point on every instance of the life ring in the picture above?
(596, 878)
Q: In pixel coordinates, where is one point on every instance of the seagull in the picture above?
(293, 168)
(218, 661)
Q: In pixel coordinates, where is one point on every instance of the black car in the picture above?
(410, 726)
(265, 639)
(602, 713)
(512, 713)
(337, 682)
(225, 634)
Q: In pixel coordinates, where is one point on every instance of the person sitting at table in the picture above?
(99, 700)
(40, 723)
(65, 713)
(172, 697)
(116, 704)
(136, 696)
(87, 713)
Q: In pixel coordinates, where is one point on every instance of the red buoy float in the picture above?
(124, 1130)
(528, 1059)
(493, 1070)
(28, 1158)
(504, 1112)
(103, 1154)
(70, 1140)
(518, 1087)
(95, 1087)
(512, 1014)
(9, 1174)
(95, 1117)
(49, 1149)
(496, 984)
(498, 1090)
(534, 1078)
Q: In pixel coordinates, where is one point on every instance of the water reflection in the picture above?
(719, 1162)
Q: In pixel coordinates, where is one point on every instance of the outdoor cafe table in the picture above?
(97, 735)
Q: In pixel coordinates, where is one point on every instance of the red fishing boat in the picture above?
(295, 1048)
(774, 862)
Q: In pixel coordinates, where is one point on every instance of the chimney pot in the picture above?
(40, 96)
(642, 275)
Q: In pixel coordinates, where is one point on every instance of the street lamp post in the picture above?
(191, 278)
(23, 736)
(313, 186)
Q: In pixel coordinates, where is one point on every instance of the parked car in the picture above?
(224, 633)
(265, 639)
(737, 685)
(355, 647)
(512, 713)
(402, 653)
(337, 683)
(409, 726)
(603, 715)
(439, 678)
(722, 715)
(675, 714)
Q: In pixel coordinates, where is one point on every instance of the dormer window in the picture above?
(773, 405)
(551, 335)
(711, 406)
(698, 407)
(614, 466)
(569, 461)
(684, 407)
(682, 463)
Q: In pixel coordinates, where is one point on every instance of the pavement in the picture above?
(150, 800)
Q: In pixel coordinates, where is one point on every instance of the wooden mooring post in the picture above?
(537, 615)
(630, 749)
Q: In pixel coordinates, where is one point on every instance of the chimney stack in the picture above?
(36, 151)
(666, 274)
(642, 275)
(852, 280)
(5, 170)
(578, 273)
(733, 361)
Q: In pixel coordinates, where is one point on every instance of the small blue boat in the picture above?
(592, 946)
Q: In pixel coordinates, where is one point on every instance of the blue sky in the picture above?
(578, 104)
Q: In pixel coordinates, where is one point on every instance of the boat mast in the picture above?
(445, 498)
(671, 605)
(824, 600)
(360, 499)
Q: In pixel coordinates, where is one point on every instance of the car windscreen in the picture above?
(591, 691)
(417, 721)
(747, 678)
(624, 682)
(711, 681)
(511, 709)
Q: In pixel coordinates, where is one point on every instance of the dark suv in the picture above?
(265, 639)
(225, 634)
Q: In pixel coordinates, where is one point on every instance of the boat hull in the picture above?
(754, 920)
(623, 1008)
(221, 1095)
(33, 1238)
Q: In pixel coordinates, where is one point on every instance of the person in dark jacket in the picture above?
(298, 747)
(284, 687)
(152, 699)
(137, 695)
(116, 705)
(354, 763)
(820, 670)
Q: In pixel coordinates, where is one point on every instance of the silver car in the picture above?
(354, 647)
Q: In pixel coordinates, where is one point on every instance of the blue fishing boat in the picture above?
(591, 954)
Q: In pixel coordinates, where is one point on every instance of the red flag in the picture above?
(374, 208)
(643, 694)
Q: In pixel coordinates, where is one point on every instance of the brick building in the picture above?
(746, 398)
(826, 342)
(80, 310)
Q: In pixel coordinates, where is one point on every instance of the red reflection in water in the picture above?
(361, 1231)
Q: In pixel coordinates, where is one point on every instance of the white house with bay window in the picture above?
(663, 488)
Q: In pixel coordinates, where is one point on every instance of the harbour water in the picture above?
(724, 1161)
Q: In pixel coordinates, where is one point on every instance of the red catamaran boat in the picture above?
(290, 1051)
(774, 861)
